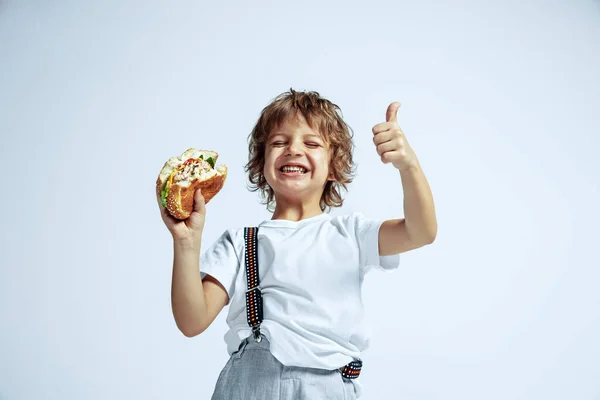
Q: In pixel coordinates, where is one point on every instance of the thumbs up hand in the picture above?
(391, 144)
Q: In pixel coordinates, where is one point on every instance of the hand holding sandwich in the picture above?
(190, 228)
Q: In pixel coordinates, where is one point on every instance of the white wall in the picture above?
(500, 101)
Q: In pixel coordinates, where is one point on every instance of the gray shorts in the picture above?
(253, 373)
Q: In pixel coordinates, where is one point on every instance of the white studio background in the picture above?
(500, 102)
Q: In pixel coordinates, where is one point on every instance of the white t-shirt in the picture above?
(310, 273)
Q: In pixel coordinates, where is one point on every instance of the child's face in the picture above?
(297, 161)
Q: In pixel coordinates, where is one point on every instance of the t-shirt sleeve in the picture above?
(367, 235)
(221, 261)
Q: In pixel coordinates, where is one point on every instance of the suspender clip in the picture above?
(256, 332)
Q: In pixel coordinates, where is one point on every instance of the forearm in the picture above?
(419, 209)
(187, 294)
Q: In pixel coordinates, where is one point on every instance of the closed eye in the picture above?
(310, 145)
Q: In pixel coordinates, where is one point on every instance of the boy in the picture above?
(307, 342)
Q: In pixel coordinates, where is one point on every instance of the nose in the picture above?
(294, 148)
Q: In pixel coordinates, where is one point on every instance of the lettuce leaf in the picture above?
(209, 160)
(163, 195)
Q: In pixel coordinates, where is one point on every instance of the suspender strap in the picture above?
(253, 294)
(254, 309)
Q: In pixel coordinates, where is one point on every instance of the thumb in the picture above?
(392, 111)
(199, 205)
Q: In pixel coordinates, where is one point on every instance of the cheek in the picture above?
(270, 158)
(325, 157)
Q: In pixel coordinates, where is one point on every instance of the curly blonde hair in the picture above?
(320, 114)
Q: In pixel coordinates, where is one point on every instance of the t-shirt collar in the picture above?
(285, 223)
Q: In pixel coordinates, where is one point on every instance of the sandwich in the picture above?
(181, 176)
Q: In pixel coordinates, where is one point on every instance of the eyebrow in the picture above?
(311, 135)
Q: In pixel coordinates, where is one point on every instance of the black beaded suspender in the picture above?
(253, 295)
(254, 309)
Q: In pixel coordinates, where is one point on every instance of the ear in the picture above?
(330, 175)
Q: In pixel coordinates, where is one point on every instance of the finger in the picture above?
(166, 216)
(386, 147)
(382, 127)
(391, 114)
(390, 156)
(382, 137)
(199, 204)
(164, 212)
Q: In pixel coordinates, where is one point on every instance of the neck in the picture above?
(295, 211)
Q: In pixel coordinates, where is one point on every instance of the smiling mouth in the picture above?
(289, 169)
